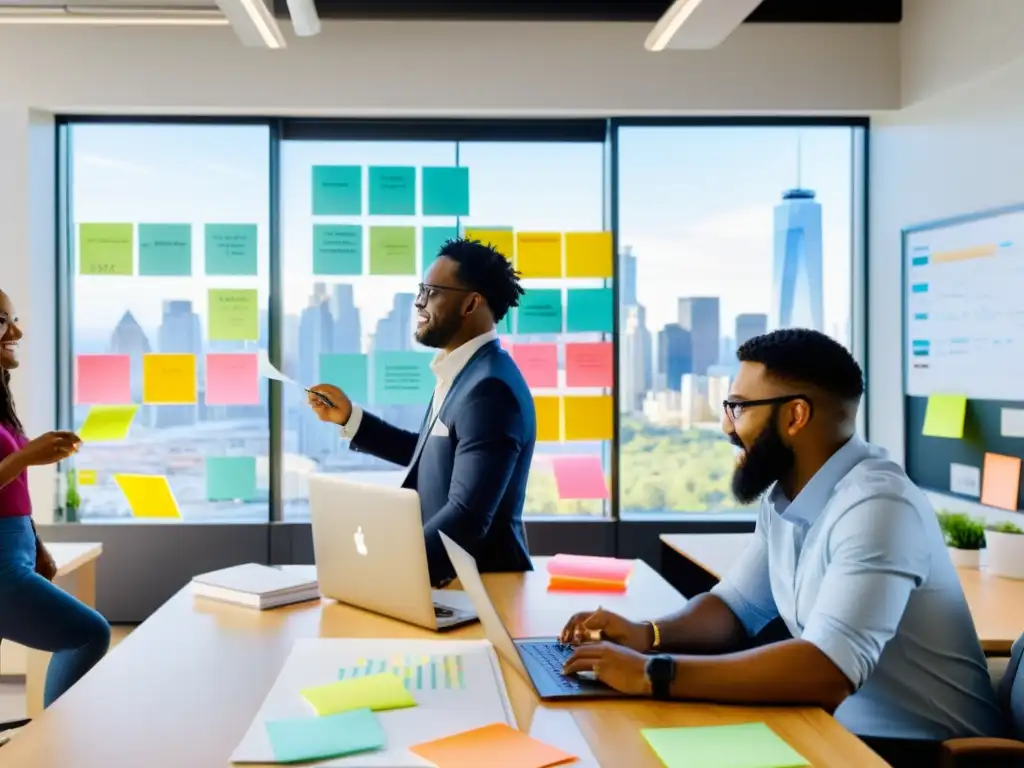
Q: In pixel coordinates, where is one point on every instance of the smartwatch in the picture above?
(660, 670)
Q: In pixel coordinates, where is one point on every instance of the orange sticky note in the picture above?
(538, 363)
(471, 749)
(549, 419)
(589, 364)
(168, 379)
(588, 418)
(1000, 481)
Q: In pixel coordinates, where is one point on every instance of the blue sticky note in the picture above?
(165, 250)
(230, 249)
(231, 478)
(302, 739)
(540, 311)
(589, 309)
(402, 378)
(337, 190)
(337, 249)
(348, 372)
(431, 240)
(392, 190)
(445, 191)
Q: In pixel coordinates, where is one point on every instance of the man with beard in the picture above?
(847, 551)
(470, 461)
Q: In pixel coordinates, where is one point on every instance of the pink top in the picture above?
(14, 499)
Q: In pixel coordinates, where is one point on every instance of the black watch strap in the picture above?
(661, 669)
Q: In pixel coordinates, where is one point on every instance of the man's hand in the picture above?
(620, 668)
(342, 410)
(605, 625)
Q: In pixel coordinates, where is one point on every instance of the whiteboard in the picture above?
(964, 307)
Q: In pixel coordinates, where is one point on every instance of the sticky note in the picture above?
(746, 745)
(539, 311)
(402, 378)
(589, 364)
(587, 418)
(232, 379)
(505, 324)
(589, 310)
(1011, 422)
(594, 568)
(539, 254)
(103, 379)
(549, 418)
(588, 254)
(538, 363)
(107, 423)
(445, 191)
(337, 249)
(302, 739)
(231, 478)
(502, 240)
(392, 250)
(377, 692)
(349, 372)
(85, 476)
(106, 249)
(165, 250)
(148, 495)
(230, 249)
(580, 477)
(1000, 481)
(392, 190)
(431, 240)
(233, 314)
(944, 416)
(168, 379)
(479, 747)
(965, 480)
(337, 190)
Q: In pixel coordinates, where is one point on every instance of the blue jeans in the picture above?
(36, 614)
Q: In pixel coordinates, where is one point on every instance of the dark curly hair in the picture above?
(803, 356)
(8, 416)
(484, 269)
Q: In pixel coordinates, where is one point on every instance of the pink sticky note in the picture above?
(590, 567)
(103, 380)
(232, 379)
(538, 363)
(588, 364)
(580, 477)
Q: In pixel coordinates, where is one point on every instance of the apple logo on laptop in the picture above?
(360, 540)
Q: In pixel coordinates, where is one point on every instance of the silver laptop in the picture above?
(369, 551)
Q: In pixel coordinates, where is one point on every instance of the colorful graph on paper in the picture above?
(420, 673)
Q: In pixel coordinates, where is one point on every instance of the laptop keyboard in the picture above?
(552, 656)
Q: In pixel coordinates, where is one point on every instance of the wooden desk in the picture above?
(182, 689)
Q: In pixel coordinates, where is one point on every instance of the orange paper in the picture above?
(1000, 481)
(481, 746)
(560, 584)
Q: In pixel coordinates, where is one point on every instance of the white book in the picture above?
(258, 586)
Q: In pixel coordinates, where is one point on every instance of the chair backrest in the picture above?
(1011, 690)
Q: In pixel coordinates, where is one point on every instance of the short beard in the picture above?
(767, 460)
(438, 333)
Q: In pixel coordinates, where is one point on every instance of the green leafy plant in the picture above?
(1005, 527)
(962, 531)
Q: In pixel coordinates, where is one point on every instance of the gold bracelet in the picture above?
(657, 635)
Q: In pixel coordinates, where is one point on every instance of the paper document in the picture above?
(267, 370)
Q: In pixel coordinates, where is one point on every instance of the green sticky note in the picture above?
(392, 190)
(349, 372)
(747, 745)
(302, 739)
(445, 191)
(402, 378)
(231, 478)
(375, 692)
(589, 309)
(431, 240)
(392, 250)
(945, 416)
(230, 249)
(337, 190)
(107, 423)
(165, 250)
(337, 249)
(540, 311)
(106, 249)
(234, 314)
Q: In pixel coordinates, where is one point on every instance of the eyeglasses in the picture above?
(734, 408)
(429, 291)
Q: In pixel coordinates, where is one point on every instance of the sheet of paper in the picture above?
(445, 191)
(1000, 481)
(378, 692)
(231, 478)
(231, 249)
(402, 378)
(85, 476)
(232, 378)
(301, 739)
(268, 371)
(539, 254)
(746, 745)
(539, 311)
(580, 477)
(234, 314)
(503, 240)
(392, 190)
(106, 249)
(944, 416)
(337, 190)
(589, 310)
(549, 418)
(349, 372)
(165, 250)
(168, 379)
(1011, 422)
(589, 364)
(103, 379)
(538, 363)
(392, 250)
(337, 249)
(431, 240)
(107, 423)
(965, 480)
(588, 254)
(478, 747)
(587, 418)
(148, 496)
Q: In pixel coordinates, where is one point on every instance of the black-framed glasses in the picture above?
(734, 408)
(429, 290)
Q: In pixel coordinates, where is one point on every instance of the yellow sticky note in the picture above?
(168, 379)
(945, 416)
(86, 476)
(106, 423)
(148, 495)
(588, 418)
(502, 240)
(549, 419)
(539, 254)
(588, 254)
(374, 692)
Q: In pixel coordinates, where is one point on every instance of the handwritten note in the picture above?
(103, 380)
(589, 310)
(392, 190)
(106, 249)
(944, 416)
(502, 240)
(107, 423)
(1000, 481)
(232, 379)
(580, 477)
(540, 311)
(234, 314)
(402, 378)
(148, 496)
(231, 249)
(337, 190)
(231, 478)
(588, 254)
(538, 363)
(378, 692)
(168, 379)
(479, 747)
(445, 191)
(349, 372)
(588, 418)
(539, 254)
(589, 364)
(549, 418)
(745, 745)
(431, 240)
(303, 739)
(337, 249)
(165, 250)
(392, 250)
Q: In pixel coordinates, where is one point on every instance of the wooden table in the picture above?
(997, 604)
(182, 689)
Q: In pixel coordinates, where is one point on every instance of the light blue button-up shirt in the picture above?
(857, 566)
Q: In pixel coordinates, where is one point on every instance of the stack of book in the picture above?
(258, 586)
(584, 573)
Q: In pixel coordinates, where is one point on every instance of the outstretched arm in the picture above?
(372, 435)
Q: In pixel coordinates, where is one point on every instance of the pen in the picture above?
(321, 397)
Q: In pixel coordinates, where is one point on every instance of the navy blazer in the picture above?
(472, 481)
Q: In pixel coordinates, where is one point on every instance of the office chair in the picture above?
(10, 725)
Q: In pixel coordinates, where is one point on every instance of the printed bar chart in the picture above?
(420, 673)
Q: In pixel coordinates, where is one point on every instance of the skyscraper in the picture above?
(796, 284)
(634, 359)
(748, 326)
(627, 277)
(675, 355)
(700, 316)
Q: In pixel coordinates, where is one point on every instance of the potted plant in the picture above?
(1004, 544)
(965, 538)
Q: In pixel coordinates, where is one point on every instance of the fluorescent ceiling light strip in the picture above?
(255, 10)
(670, 22)
(111, 16)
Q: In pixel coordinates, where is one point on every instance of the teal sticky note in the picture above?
(402, 378)
(505, 324)
(589, 309)
(349, 372)
(302, 739)
(165, 250)
(337, 249)
(540, 311)
(337, 190)
(392, 190)
(431, 240)
(745, 745)
(445, 191)
(230, 249)
(231, 478)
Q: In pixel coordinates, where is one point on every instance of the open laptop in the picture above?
(538, 659)
(369, 551)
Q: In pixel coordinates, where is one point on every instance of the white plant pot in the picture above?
(1004, 554)
(965, 558)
